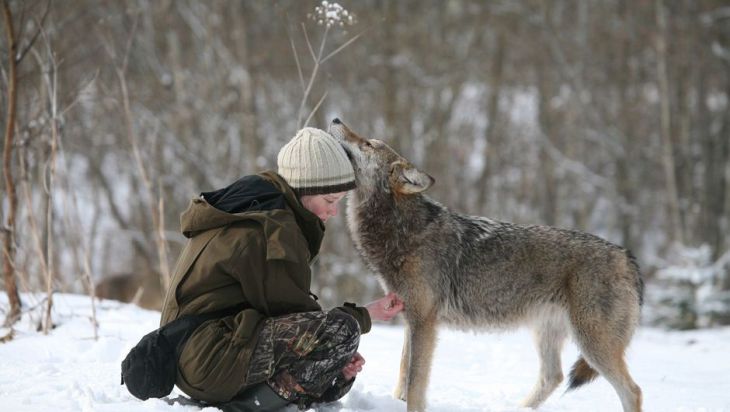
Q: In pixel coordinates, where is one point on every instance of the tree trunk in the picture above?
(52, 81)
(624, 185)
(248, 85)
(668, 163)
(548, 196)
(156, 204)
(11, 287)
(719, 192)
(393, 130)
(492, 147)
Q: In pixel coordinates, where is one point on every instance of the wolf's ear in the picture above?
(406, 179)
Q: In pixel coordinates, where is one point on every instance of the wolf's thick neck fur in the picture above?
(387, 227)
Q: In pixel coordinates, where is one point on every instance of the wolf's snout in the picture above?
(336, 129)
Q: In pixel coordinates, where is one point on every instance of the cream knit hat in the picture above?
(314, 163)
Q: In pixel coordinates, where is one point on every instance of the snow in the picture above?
(331, 14)
(70, 371)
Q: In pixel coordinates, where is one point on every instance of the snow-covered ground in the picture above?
(70, 371)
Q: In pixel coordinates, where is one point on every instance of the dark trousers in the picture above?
(301, 355)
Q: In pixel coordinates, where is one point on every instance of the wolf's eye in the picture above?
(368, 144)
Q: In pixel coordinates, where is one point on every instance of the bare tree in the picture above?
(50, 76)
(15, 57)
(675, 224)
(156, 201)
(495, 83)
(11, 287)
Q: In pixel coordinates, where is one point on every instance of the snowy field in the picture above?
(70, 371)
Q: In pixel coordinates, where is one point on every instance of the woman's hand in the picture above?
(386, 307)
(354, 366)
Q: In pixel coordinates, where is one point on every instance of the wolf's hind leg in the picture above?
(603, 337)
(549, 335)
(609, 361)
(401, 388)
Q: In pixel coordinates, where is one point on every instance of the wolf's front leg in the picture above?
(401, 388)
(422, 340)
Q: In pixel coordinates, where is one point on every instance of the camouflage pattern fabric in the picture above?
(301, 356)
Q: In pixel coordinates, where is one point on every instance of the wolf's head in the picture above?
(377, 166)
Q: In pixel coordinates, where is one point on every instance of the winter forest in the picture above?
(609, 116)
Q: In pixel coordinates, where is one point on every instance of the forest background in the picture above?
(607, 116)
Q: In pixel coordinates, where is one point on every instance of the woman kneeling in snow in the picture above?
(251, 244)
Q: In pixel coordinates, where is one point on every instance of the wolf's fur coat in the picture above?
(477, 273)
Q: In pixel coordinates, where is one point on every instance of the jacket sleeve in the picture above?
(360, 314)
(277, 287)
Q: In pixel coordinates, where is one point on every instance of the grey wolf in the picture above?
(476, 273)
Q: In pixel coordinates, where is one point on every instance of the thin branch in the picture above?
(321, 45)
(337, 50)
(161, 239)
(33, 223)
(79, 94)
(315, 70)
(92, 294)
(572, 165)
(22, 20)
(319, 103)
(4, 75)
(312, 76)
(309, 44)
(35, 36)
(130, 39)
(146, 182)
(296, 54)
(129, 128)
(45, 254)
(76, 241)
(573, 81)
(52, 84)
(296, 59)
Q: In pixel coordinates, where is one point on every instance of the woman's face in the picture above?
(324, 206)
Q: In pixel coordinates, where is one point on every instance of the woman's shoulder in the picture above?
(278, 234)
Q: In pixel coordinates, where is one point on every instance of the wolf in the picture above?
(476, 273)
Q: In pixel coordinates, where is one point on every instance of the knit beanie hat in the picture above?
(314, 163)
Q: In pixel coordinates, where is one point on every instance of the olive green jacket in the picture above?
(258, 258)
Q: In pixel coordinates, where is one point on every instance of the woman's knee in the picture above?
(344, 325)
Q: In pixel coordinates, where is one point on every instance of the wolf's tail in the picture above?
(581, 373)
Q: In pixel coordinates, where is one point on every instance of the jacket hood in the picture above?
(255, 197)
(247, 194)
